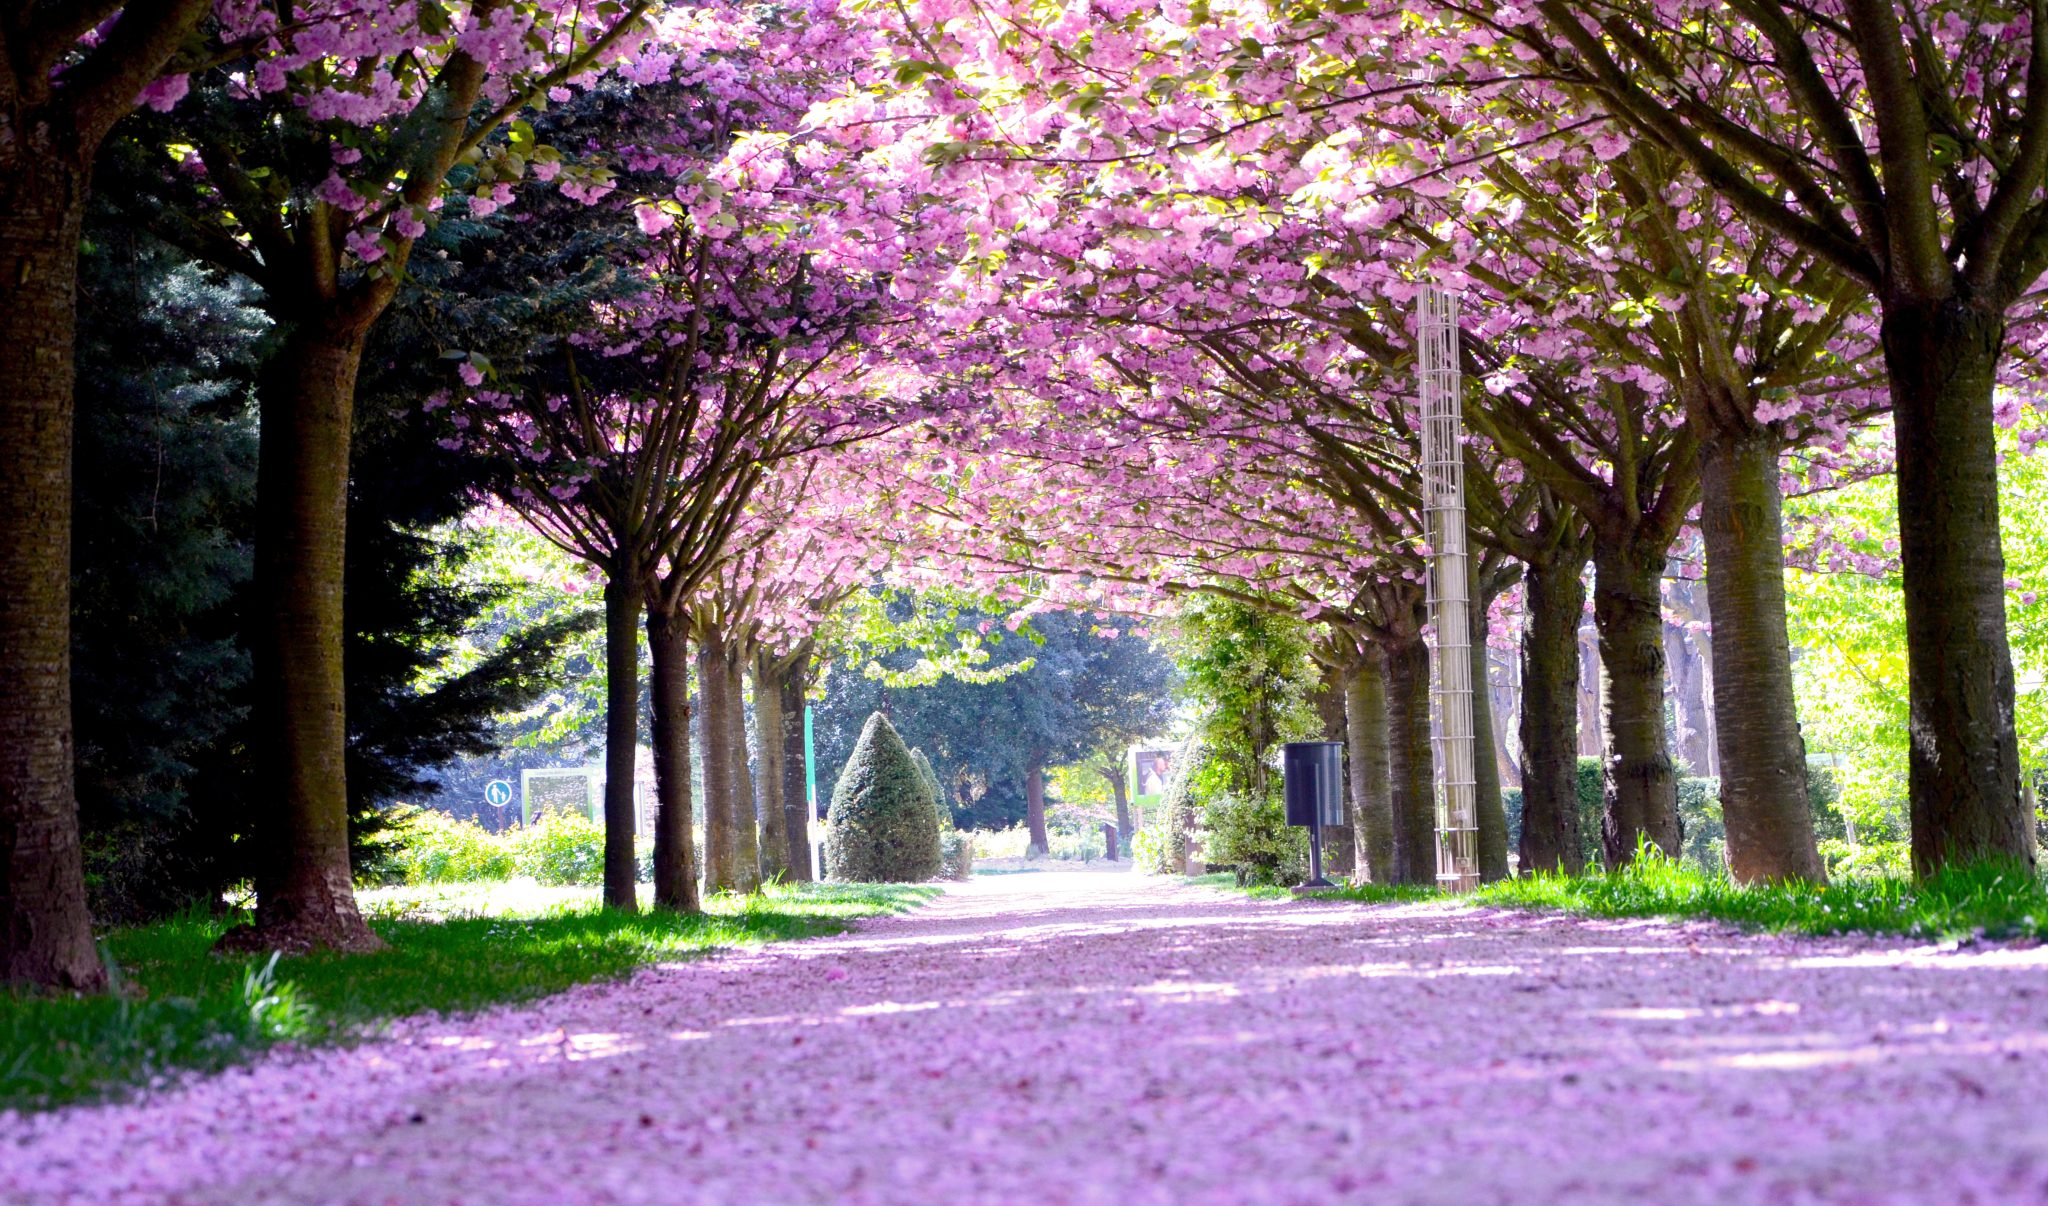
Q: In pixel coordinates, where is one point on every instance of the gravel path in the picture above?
(1092, 1038)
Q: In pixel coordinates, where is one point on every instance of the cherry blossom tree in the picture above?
(71, 72)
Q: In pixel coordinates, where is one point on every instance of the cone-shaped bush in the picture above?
(931, 780)
(883, 826)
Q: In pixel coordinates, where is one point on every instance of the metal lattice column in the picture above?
(1450, 605)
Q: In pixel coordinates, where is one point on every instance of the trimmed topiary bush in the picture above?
(931, 781)
(883, 825)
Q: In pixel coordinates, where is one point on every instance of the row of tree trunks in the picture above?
(1689, 661)
(675, 857)
(1503, 682)
(1592, 726)
(796, 801)
(746, 820)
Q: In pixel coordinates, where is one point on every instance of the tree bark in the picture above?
(675, 855)
(746, 827)
(623, 601)
(1963, 762)
(1641, 790)
(720, 842)
(1034, 809)
(1502, 681)
(1412, 762)
(304, 886)
(1492, 815)
(1555, 596)
(1366, 729)
(45, 932)
(1120, 792)
(796, 802)
(768, 757)
(1763, 787)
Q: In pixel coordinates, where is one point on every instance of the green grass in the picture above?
(1986, 900)
(180, 1009)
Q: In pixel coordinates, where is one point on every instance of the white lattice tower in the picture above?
(1450, 605)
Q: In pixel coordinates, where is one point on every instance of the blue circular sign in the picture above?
(497, 793)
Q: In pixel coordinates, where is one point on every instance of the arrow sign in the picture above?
(497, 793)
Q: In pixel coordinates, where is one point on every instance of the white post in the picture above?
(1450, 604)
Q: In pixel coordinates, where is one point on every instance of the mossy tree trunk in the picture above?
(1555, 598)
(1762, 756)
(721, 846)
(1339, 848)
(1411, 760)
(797, 807)
(675, 857)
(1642, 790)
(746, 826)
(1963, 760)
(1034, 809)
(1366, 733)
(768, 748)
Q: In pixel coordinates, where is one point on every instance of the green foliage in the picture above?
(1590, 789)
(1251, 834)
(1179, 812)
(931, 783)
(1151, 851)
(956, 851)
(882, 826)
(567, 848)
(1251, 673)
(428, 847)
(1704, 835)
(181, 1009)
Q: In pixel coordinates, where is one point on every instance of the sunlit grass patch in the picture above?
(452, 949)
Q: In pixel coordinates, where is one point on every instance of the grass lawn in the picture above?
(181, 1009)
(1986, 900)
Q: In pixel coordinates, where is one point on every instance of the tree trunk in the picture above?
(768, 757)
(1556, 599)
(1642, 792)
(1502, 681)
(45, 932)
(304, 886)
(1688, 700)
(1340, 853)
(1366, 731)
(1763, 792)
(720, 842)
(1034, 810)
(675, 855)
(1120, 792)
(1492, 815)
(1412, 762)
(623, 600)
(746, 828)
(1963, 764)
(1592, 727)
(796, 801)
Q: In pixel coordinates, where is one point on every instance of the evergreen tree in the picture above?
(883, 823)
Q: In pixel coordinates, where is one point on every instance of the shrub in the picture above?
(1177, 814)
(1252, 835)
(1000, 843)
(566, 848)
(428, 847)
(1149, 850)
(883, 824)
(956, 849)
(931, 782)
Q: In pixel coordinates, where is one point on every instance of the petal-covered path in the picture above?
(1104, 1038)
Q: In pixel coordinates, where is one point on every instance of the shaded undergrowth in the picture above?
(179, 1009)
(1988, 900)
